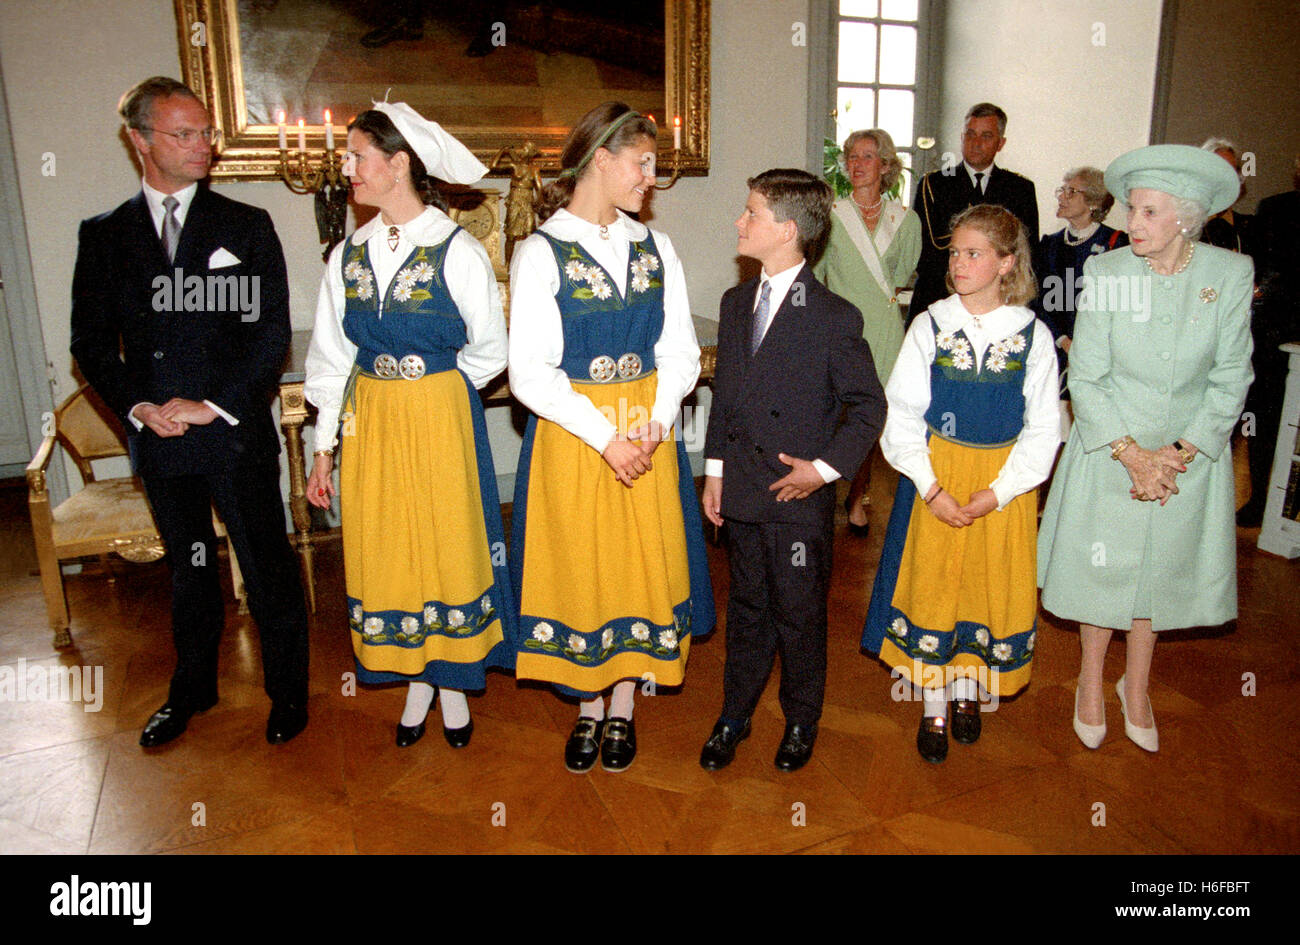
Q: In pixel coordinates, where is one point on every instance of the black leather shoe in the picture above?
(287, 720)
(408, 735)
(618, 747)
(966, 721)
(796, 746)
(583, 747)
(398, 29)
(458, 737)
(720, 749)
(170, 722)
(932, 738)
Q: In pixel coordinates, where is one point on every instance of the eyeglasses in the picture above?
(188, 136)
(1070, 193)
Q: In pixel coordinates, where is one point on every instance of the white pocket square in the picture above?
(222, 258)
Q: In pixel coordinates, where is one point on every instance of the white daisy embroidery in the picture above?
(640, 631)
(962, 360)
(430, 615)
(455, 618)
(599, 286)
(640, 282)
(899, 626)
(945, 340)
(543, 632)
(356, 613)
(402, 291)
(982, 637)
(929, 643)
(996, 362)
(575, 270)
(410, 625)
(1002, 651)
(668, 639)
(485, 604)
(373, 626)
(1029, 644)
(577, 643)
(421, 272)
(366, 287)
(1016, 343)
(353, 270)
(607, 638)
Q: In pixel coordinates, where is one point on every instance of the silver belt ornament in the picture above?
(605, 368)
(410, 368)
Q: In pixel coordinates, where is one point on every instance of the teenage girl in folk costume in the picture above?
(607, 541)
(408, 324)
(973, 428)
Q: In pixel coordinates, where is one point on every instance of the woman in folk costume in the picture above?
(973, 428)
(408, 324)
(607, 539)
(1138, 532)
(873, 249)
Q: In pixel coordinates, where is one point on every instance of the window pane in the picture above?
(897, 10)
(857, 52)
(896, 116)
(897, 55)
(854, 109)
(860, 8)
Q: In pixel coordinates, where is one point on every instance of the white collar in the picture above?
(154, 198)
(780, 281)
(951, 316)
(569, 228)
(971, 172)
(428, 229)
(1080, 235)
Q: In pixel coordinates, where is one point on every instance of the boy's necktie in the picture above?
(760, 317)
(171, 228)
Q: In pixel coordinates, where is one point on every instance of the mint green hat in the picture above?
(1179, 170)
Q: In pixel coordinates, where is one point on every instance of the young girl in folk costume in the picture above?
(408, 324)
(973, 428)
(606, 540)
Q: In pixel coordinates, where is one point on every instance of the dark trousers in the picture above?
(780, 576)
(248, 499)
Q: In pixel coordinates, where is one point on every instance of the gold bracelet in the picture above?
(1183, 453)
(328, 452)
(1122, 444)
(933, 497)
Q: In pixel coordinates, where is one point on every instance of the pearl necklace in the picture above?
(868, 209)
(1187, 258)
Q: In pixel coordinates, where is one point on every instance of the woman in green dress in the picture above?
(872, 252)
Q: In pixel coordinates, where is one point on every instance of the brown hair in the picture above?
(581, 145)
(1007, 235)
(383, 134)
(793, 194)
(136, 104)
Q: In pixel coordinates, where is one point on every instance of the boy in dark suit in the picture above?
(796, 405)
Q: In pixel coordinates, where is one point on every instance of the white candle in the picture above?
(283, 143)
(677, 132)
(302, 134)
(329, 131)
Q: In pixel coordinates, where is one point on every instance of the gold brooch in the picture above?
(1208, 295)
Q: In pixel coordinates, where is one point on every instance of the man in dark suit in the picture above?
(796, 405)
(943, 194)
(180, 321)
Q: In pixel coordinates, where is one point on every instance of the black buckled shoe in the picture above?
(170, 722)
(458, 737)
(286, 721)
(796, 746)
(720, 749)
(932, 738)
(618, 747)
(966, 721)
(583, 747)
(408, 735)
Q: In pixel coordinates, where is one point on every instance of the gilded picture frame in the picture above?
(209, 31)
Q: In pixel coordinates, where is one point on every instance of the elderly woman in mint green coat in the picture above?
(1138, 533)
(872, 253)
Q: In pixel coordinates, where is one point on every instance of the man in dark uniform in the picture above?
(180, 321)
(943, 194)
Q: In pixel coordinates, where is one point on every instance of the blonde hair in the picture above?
(891, 164)
(1008, 238)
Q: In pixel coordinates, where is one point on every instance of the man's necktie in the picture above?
(979, 187)
(171, 228)
(760, 317)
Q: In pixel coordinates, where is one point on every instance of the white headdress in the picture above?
(444, 157)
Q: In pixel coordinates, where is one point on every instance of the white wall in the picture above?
(1076, 80)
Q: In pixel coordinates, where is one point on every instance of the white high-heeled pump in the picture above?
(1090, 735)
(1144, 738)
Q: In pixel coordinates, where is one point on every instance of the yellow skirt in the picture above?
(605, 582)
(964, 600)
(424, 599)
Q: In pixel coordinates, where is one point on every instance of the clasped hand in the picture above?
(629, 456)
(1153, 472)
(174, 417)
(946, 509)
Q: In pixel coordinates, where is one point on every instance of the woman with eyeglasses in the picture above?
(1082, 201)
